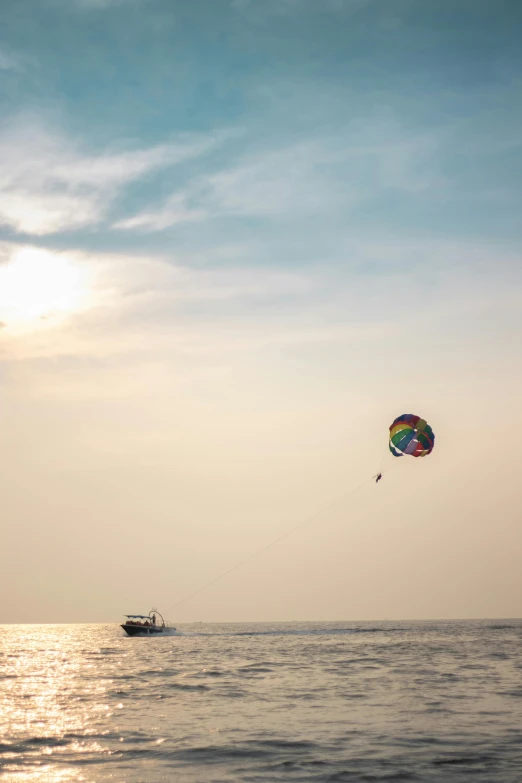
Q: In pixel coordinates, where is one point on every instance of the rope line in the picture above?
(258, 552)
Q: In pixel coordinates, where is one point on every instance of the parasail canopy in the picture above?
(409, 434)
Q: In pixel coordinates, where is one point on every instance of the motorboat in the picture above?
(146, 624)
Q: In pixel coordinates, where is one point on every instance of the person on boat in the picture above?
(153, 618)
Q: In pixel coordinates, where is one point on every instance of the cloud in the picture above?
(174, 211)
(310, 177)
(274, 184)
(139, 308)
(37, 282)
(146, 307)
(270, 184)
(48, 184)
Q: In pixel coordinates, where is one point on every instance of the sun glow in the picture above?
(38, 285)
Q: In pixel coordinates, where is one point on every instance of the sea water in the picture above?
(423, 701)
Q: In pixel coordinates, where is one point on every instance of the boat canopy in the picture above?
(138, 616)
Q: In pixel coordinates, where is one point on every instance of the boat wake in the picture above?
(296, 632)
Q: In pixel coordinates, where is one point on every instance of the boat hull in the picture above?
(141, 630)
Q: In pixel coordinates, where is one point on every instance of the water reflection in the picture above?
(262, 702)
(51, 700)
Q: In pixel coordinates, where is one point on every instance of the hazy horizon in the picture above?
(238, 239)
(350, 621)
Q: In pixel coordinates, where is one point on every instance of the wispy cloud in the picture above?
(309, 177)
(48, 184)
(143, 306)
(268, 184)
(175, 210)
(151, 307)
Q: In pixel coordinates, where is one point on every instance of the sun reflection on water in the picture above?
(86, 703)
(50, 703)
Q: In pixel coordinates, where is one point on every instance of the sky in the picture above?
(237, 239)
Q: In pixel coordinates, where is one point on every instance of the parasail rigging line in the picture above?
(409, 434)
(258, 552)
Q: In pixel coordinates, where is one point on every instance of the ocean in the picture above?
(394, 701)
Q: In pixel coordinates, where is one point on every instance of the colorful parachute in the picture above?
(409, 434)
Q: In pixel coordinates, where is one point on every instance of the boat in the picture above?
(150, 624)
